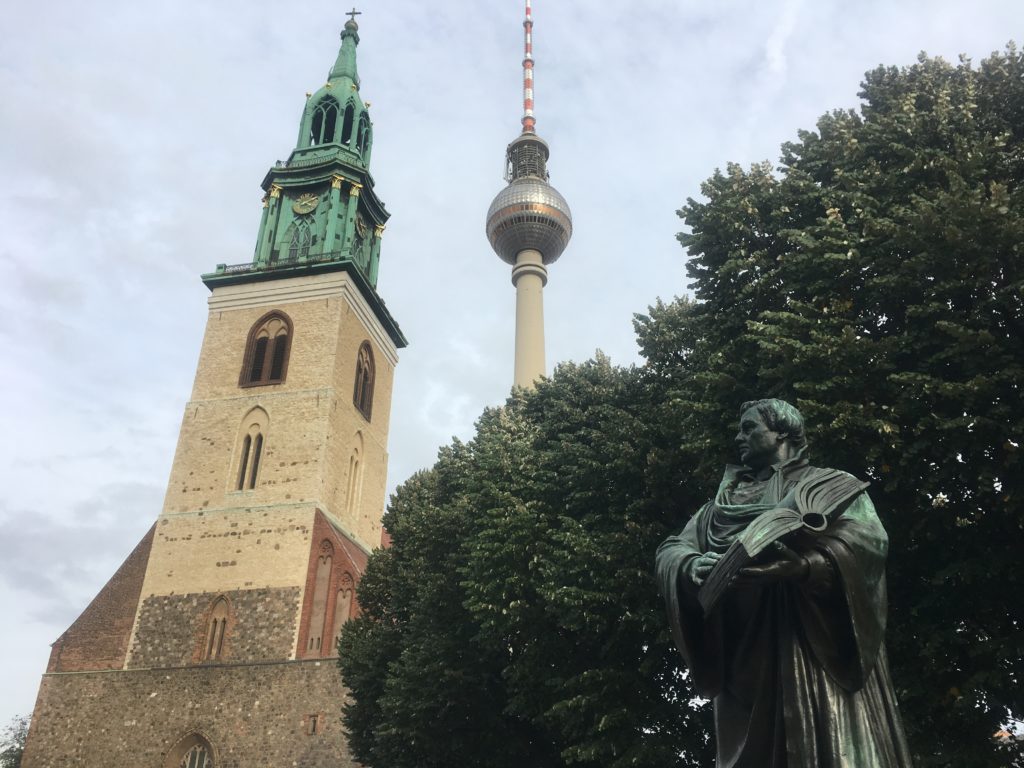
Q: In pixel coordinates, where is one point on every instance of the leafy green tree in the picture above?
(425, 692)
(561, 577)
(12, 743)
(877, 282)
(514, 620)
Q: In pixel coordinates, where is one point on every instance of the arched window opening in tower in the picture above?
(362, 397)
(257, 449)
(251, 436)
(325, 121)
(363, 137)
(243, 464)
(346, 126)
(249, 463)
(355, 467)
(216, 628)
(301, 238)
(267, 351)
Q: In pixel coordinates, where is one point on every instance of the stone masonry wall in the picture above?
(254, 716)
(172, 629)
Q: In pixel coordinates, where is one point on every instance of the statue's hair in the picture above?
(780, 416)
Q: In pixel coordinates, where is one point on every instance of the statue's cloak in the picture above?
(797, 672)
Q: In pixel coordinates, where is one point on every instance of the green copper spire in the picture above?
(345, 66)
(320, 210)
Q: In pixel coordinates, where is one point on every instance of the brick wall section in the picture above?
(254, 716)
(99, 637)
(172, 629)
(348, 558)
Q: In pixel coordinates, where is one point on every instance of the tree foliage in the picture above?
(12, 743)
(514, 620)
(875, 280)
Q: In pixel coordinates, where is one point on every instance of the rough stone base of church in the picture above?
(272, 714)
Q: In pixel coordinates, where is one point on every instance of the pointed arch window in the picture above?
(363, 136)
(301, 238)
(193, 751)
(267, 351)
(354, 494)
(346, 126)
(362, 397)
(250, 449)
(321, 589)
(343, 604)
(215, 630)
(325, 122)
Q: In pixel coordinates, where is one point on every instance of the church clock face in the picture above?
(361, 226)
(306, 203)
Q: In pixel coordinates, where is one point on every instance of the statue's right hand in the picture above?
(702, 567)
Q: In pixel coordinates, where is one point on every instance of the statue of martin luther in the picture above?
(793, 654)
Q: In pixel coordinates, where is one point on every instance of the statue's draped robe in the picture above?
(797, 671)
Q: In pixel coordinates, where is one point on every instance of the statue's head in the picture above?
(770, 431)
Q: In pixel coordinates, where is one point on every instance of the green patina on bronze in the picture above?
(793, 656)
(321, 213)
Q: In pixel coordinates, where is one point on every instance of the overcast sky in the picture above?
(135, 136)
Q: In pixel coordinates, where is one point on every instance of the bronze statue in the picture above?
(788, 643)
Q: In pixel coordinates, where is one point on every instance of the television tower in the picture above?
(529, 225)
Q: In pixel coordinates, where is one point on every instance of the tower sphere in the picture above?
(529, 214)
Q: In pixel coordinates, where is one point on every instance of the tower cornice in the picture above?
(239, 274)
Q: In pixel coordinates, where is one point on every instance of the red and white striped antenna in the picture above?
(528, 120)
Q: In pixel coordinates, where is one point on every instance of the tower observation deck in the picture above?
(529, 225)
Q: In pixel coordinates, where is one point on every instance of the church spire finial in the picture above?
(528, 119)
(345, 66)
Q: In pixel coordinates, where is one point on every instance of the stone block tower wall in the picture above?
(215, 643)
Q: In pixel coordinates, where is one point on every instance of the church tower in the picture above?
(529, 224)
(214, 644)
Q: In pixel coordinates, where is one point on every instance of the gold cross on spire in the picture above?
(353, 13)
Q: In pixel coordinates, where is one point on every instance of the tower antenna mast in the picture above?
(529, 122)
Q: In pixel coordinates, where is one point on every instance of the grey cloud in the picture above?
(58, 563)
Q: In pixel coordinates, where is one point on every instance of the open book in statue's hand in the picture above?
(808, 508)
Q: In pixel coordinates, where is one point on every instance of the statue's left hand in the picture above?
(789, 566)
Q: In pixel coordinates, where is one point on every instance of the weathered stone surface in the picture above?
(172, 629)
(252, 715)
